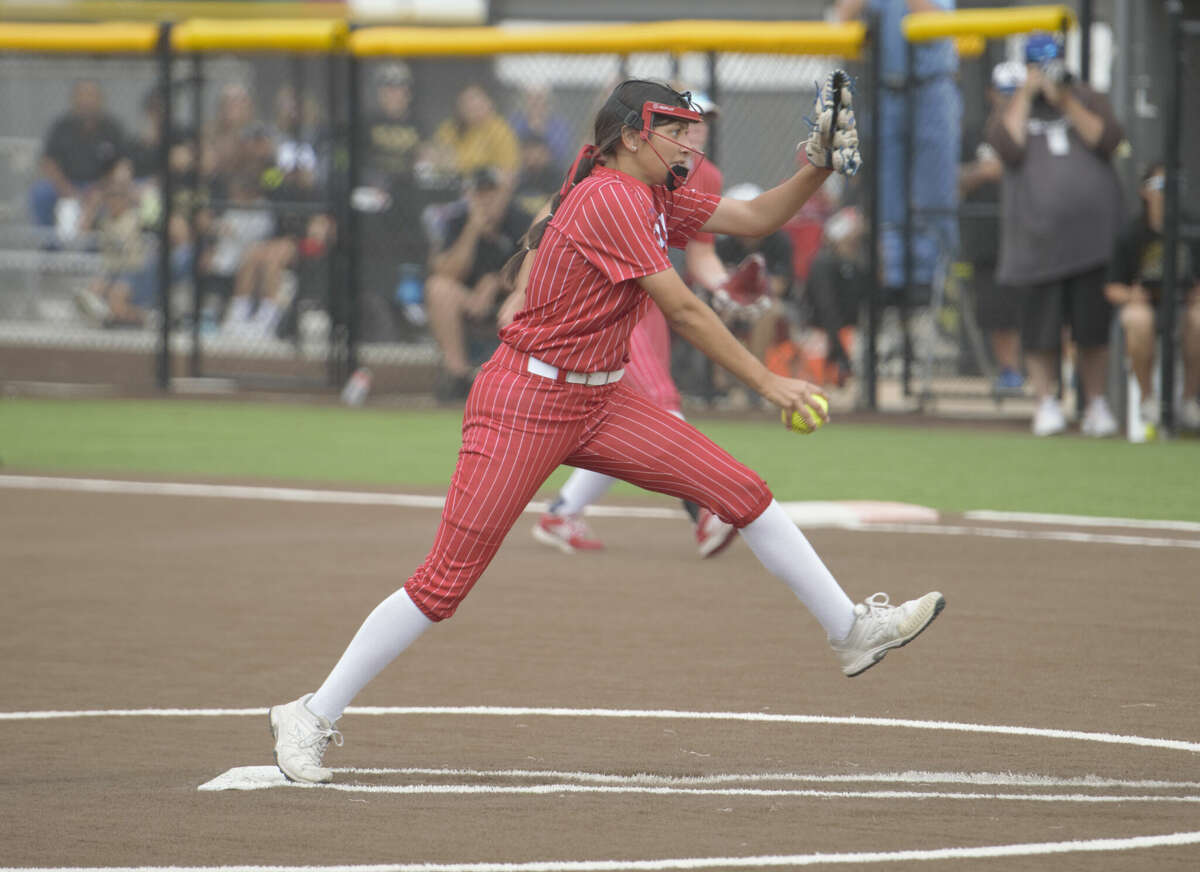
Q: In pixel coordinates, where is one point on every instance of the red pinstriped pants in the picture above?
(519, 427)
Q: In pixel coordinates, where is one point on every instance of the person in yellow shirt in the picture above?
(476, 136)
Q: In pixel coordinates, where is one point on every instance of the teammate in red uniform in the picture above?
(649, 371)
(552, 394)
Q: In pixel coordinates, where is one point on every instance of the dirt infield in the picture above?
(597, 677)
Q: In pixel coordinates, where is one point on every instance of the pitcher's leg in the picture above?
(511, 444)
(656, 450)
(501, 464)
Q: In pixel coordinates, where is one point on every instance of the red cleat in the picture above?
(567, 533)
(712, 534)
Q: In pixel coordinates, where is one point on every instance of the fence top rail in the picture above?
(179, 10)
(170, 10)
(782, 37)
(100, 38)
(271, 35)
(990, 23)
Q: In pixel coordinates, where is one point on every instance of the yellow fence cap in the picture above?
(164, 10)
(988, 23)
(248, 35)
(785, 37)
(98, 38)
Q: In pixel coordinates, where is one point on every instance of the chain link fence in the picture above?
(309, 192)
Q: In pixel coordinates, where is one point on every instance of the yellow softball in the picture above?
(798, 425)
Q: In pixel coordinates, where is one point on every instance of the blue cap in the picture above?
(1042, 47)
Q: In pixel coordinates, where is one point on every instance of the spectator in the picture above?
(1135, 284)
(295, 153)
(142, 148)
(536, 118)
(1060, 212)
(477, 137)
(287, 166)
(393, 242)
(127, 289)
(79, 149)
(226, 136)
(839, 282)
(393, 139)
(998, 308)
(245, 219)
(464, 286)
(927, 178)
(776, 249)
(539, 179)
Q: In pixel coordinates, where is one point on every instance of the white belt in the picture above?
(547, 370)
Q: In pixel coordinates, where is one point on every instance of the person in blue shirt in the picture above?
(936, 122)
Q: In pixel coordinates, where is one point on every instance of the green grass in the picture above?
(948, 469)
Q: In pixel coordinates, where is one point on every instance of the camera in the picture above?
(1047, 51)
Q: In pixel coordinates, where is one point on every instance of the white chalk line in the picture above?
(268, 777)
(1010, 779)
(1080, 520)
(563, 789)
(642, 714)
(1026, 849)
(837, 519)
(285, 494)
(1042, 535)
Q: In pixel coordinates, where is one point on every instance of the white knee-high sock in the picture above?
(582, 489)
(391, 627)
(784, 551)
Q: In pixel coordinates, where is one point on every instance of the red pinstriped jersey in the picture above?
(707, 179)
(582, 300)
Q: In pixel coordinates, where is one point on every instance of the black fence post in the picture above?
(166, 87)
(1170, 278)
(870, 374)
(353, 248)
(195, 180)
(1085, 41)
(906, 171)
(714, 94)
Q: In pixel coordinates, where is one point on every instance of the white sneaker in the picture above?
(300, 741)
(1189, 414)
(1149, 411)
(1049, 419)
(879, 627)
(1098, 420)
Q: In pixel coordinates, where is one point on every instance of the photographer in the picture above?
(1061, 210)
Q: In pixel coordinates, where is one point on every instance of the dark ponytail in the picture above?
(622, 109)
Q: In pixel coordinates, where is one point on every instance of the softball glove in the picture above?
(833, 143)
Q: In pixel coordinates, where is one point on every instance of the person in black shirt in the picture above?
(839, 281)
(1135, 284)
(80, 148)
(478, 236)
(394, 246)
(997, 307)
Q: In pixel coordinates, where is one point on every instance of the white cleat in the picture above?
(1098, 421)
(300, 741)
(879, 627)
(1049, 419)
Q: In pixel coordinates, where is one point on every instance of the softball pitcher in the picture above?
(649, 371)
(552, 394)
